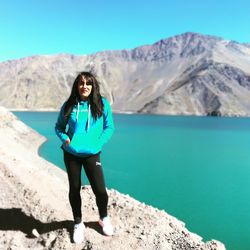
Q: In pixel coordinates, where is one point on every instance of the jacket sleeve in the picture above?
(60, 126)
(108, 124)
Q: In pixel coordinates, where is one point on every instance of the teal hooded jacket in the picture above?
(87, 136)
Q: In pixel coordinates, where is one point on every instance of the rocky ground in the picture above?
(35, 213)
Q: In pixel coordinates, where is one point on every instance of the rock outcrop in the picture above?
(35, 213)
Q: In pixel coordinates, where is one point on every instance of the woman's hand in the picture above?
(67, 142)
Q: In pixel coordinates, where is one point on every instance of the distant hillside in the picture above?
(185, 74)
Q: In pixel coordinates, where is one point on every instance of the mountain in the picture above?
(186, 74)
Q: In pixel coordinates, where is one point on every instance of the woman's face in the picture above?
(84, 89)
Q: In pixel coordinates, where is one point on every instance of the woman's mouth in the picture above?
(84, 91)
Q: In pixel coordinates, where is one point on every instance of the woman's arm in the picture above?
(108, 124)
(60, 126)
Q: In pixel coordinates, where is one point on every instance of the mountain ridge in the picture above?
(187, 74)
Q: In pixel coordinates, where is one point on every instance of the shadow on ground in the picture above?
(14, 219)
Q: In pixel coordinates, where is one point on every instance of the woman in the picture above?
(87, 117)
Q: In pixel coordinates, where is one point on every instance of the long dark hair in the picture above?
(94, 99)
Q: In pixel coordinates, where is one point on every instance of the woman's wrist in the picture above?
(67, 142)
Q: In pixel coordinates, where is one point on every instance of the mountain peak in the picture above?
(183, 45)
(206, 73)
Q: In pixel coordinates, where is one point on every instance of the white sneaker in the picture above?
(78, 234)
(107, 228)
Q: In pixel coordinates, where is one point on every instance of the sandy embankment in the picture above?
(34, 195)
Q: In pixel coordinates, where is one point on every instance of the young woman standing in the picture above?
(84, 124)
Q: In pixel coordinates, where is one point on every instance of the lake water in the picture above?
(195, 168)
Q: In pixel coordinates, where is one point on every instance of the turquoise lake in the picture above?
(195, 168)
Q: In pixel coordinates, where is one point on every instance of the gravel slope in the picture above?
(35, 213)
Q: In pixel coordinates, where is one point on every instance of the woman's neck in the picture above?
(84, 99)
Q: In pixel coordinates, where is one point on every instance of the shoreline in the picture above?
(139, 113)
(37, 191)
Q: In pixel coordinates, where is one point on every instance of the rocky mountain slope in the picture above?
(35, 211)
(185, 74)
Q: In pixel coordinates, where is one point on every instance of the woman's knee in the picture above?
(75, 187)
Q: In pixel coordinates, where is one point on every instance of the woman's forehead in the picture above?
(85, 79)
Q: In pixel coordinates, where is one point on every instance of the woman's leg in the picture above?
(74, 166)
(94, 172)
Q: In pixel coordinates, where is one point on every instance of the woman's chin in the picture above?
(84, 95)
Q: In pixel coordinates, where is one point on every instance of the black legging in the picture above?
(94, 173)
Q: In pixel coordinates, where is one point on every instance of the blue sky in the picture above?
(30, 27)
